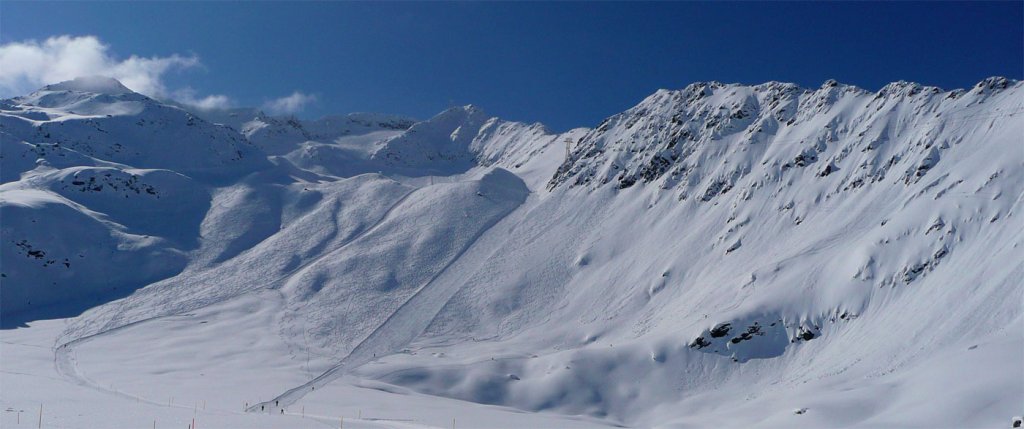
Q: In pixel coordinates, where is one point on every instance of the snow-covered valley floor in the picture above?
(168, 372)
(208, 366)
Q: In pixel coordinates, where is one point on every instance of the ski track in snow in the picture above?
(64, 360)
(401, 327)
(66, 364)
(381, 341)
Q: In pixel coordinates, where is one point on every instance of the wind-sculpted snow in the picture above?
(721, 255)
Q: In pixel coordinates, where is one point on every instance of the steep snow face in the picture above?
(531, 151)
(711, 138)
(718, 255)
(439, 146)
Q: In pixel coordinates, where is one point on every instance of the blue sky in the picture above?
(564, 64)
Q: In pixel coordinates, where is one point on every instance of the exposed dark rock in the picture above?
(700, 343)
(805, 334)
(720, 330)
(752, 330)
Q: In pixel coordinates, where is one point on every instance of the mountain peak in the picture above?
(993, 83)
(95, 84)
(467, 110)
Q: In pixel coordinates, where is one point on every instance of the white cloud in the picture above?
(210, 102)
(291, 104)
(29, 65)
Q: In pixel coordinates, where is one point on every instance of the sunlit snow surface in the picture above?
(721, 255)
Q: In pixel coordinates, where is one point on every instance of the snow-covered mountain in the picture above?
(718, 255)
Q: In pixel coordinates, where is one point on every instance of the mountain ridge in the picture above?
(713, 248)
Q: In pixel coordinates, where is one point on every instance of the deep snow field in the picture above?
(716, 256)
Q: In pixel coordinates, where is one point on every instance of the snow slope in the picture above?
(718, 255)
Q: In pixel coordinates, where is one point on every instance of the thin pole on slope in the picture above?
(568, 148)
(306, 341)
(40, 416)
(341, 422)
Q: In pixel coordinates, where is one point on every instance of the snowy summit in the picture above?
(95, 84)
